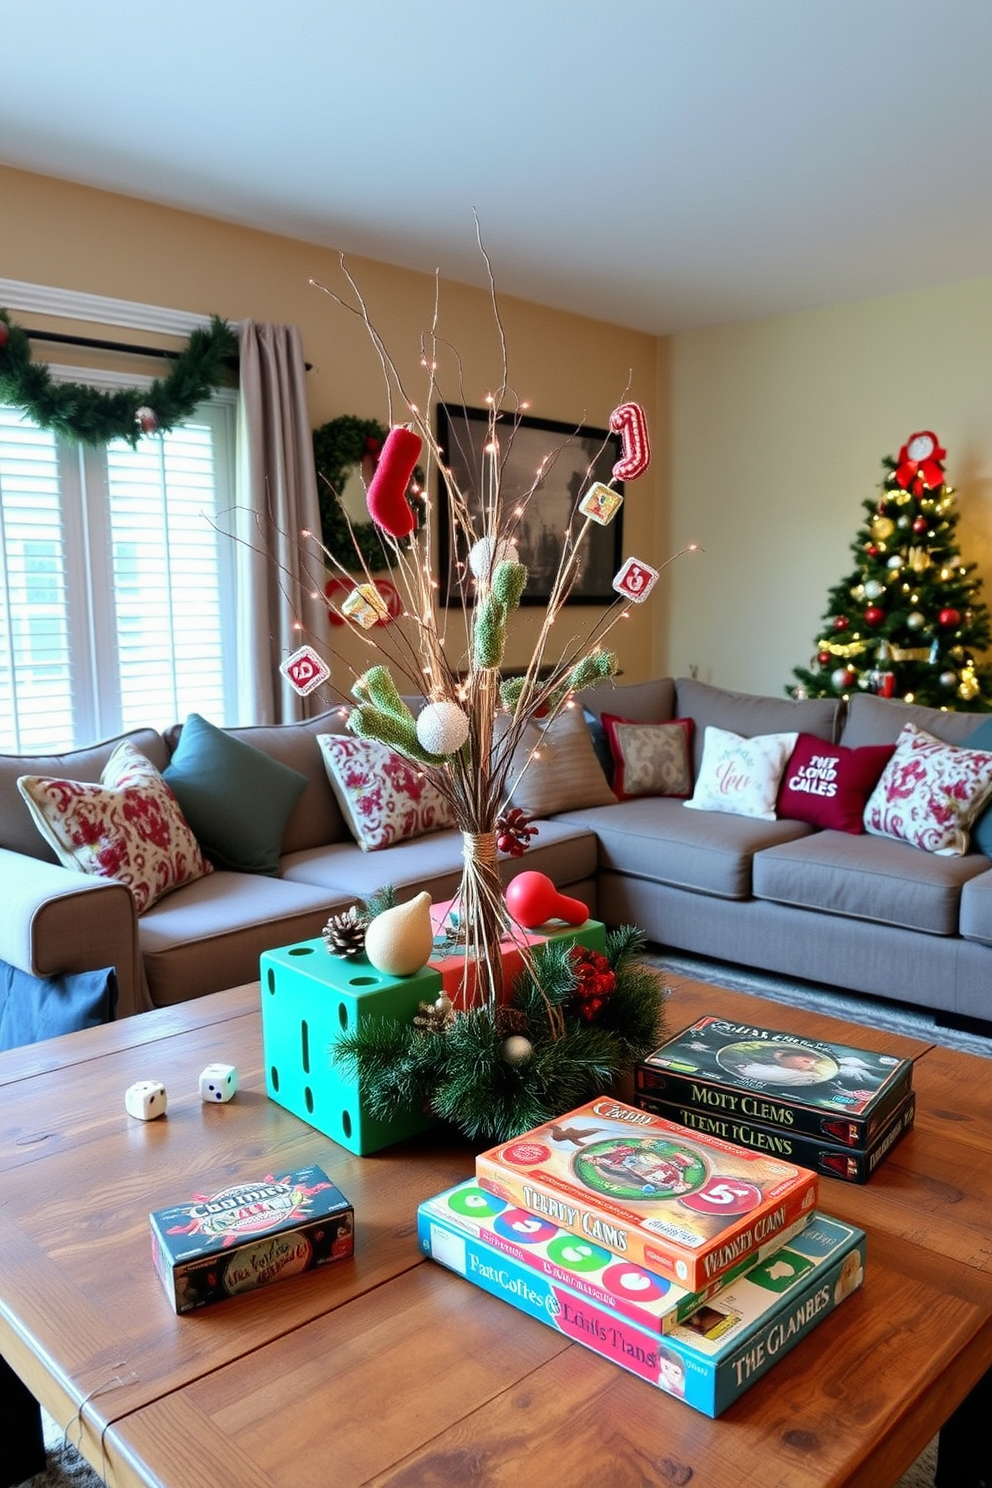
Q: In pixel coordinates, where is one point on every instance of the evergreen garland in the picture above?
(86, 415)
(461, 1073)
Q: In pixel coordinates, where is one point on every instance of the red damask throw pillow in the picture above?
(828, 785)
(385, 799)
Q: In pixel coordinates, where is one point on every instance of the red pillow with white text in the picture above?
(828, 785)
(650, 759)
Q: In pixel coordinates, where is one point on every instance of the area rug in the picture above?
(67, 1469)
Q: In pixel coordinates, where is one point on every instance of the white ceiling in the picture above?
(657, 163)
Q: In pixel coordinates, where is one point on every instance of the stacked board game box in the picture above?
(832, 1108)
(682, 1204)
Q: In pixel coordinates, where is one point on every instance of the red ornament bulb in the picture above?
(949, 618)
(532, 900)
(841, 622)
(873, 615)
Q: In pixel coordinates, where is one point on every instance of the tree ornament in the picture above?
(841, 622)
(920, 524)
(514, 831)
(882, 528)
(436, 1016)
(629, 422)
(895, 562)
(85, 415)
(400, 941)
(858, 592)
(903, 521)
(871, 549)
(344, 934)
(874, 589)
(949, 618)
(146, 419)
(948, 679)
(517, 1050)
(919, 466)
(442, 727)
(386, 495)
(873, 615)
(340, 447)
(915, 620)
(823, 657)
(488, 553)
(843, 678)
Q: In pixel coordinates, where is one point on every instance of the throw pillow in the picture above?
(828, 785)
(930, 793)
(981, 831)
(600, 743)
(555, 767)
(741, 776)
(384, 798)
(129, 827)
(237, 799)
(650, 759)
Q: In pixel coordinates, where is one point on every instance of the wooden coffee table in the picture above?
(387, 1368)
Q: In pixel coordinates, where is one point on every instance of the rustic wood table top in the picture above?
(387, 1368)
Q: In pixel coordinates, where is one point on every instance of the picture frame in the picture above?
(574, 456)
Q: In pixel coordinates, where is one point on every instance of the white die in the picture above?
(146, 1099)
(218, 1082)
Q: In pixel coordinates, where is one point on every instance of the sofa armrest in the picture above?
(56, 921)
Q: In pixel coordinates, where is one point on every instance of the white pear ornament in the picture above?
(400, 940)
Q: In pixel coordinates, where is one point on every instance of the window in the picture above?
(116, 588)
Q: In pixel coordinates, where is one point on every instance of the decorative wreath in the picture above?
(87, 415)
(338, 446)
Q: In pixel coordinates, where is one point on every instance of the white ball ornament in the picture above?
(442, 728)
(488, 553)
(874, 589)
(895, 561)
(517, 1050)
(948, 679)
(915, 620)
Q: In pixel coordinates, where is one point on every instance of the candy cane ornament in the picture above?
(386, 495)
(629, 422)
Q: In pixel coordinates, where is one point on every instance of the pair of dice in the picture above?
(147, 1099)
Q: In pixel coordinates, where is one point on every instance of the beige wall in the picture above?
(566, 366)
(779, 427)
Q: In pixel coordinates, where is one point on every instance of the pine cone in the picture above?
(344, 934)
(514, 831)
(435, 1017)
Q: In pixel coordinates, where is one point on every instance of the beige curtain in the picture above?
(278, 568)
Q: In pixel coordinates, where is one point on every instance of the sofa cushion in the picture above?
(745, 714)
(866, 878)
(930, 793)
(975, 921)
(643, 702)
(565, 852)
(655, 838)
(741, 776)
(385, 799)
(129, 827)
(210, 934)
(650, 759)
(34, 1008)
(555, 768)
(18, 831)
(876, 720)
(828, 785)
(236, 798)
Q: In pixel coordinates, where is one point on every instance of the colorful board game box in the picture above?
(566, 1266)
(843, 1094)
(852, 1164)
(248, 1235)
(678, 1203)
(714, 1356)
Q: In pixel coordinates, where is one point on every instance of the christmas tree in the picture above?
(908, 622)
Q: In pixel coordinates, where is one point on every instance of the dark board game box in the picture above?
(678, 1203)
(248, 1235)
(852, 1164)
(843, 1094)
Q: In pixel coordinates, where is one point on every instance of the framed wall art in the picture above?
(573, 458)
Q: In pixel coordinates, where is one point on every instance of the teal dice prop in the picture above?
(311, 998)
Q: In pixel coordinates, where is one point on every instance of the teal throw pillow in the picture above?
(236, 798)
(981, 832)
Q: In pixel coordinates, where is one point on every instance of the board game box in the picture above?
(709, 1360)
(851, 1164)
(566, 1266)
(217, 1245)
(679, 1203)
(842, 1094)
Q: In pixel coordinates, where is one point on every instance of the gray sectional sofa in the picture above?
(855, 912)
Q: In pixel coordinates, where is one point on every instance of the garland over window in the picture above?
(86, 415)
